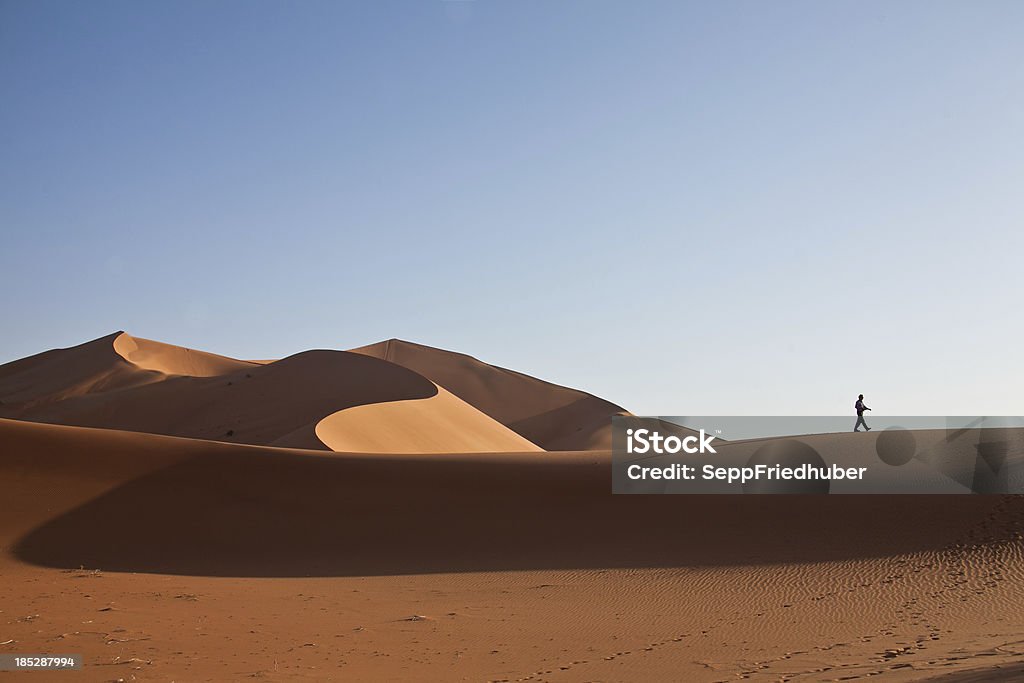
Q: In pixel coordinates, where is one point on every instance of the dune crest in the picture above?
(279, 403)
(175, 360)
(393, 397)
(32, 383)
(552, 416)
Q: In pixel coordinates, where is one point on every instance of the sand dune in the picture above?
(52, 376)
(339, 513)
(175, 360)
(549, 415)
(487, 566)
(280, 401)
(114, 362)
(441, 542)
(129, 383)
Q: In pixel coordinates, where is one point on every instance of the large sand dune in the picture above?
(440, 542)
(372, 513)
(124, 382)
(486, 567)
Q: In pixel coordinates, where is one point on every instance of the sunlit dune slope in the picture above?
(552, 416)
(175, 360)
(442, 423)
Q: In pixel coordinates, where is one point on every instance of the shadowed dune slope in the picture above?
(113, 362)
(997, 673)
(552, 416)
(28, 384)
(119, 501)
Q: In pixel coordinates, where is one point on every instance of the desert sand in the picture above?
(333, 534)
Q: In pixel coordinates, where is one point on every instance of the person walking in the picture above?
(859, 405)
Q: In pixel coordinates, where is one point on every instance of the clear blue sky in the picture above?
(688, 208)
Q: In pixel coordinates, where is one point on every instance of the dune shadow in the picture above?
(294, 514)
(557, 427)
(1009, 672)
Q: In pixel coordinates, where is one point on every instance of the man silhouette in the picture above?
(859, 405)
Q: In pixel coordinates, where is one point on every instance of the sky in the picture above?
(688, 208)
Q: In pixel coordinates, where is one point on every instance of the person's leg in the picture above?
(856, 426)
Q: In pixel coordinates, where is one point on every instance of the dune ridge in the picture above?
(175, 360)
(29, 384)
(303, 401)
(552, 416)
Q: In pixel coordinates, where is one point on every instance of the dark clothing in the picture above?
(859, 405)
